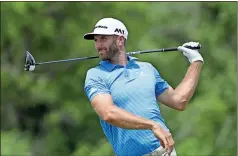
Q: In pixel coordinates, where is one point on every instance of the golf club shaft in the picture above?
(152, 51)
(67, 60)
(93, 57)
(129, 53)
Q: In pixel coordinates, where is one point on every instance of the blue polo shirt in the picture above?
(133, 88)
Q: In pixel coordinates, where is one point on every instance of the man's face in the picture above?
(106, 46)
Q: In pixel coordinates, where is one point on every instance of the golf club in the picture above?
(30, 61)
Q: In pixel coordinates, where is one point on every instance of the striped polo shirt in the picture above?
(134, 88)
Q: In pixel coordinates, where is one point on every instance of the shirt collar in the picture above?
(109, 66)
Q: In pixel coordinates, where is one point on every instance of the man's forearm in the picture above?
(121, 118)
(187, 87)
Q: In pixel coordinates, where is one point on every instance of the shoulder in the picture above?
(144, 64)
(148, 66)
(93, 71)
(96, 72)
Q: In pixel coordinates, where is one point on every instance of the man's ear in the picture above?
(121, 41)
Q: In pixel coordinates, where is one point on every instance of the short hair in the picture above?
(124, 42)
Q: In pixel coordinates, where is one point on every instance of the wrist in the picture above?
(197, 62)
(154, 125)
(197, 59)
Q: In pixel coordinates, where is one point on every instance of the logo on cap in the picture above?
(119, 31)
(101, 26)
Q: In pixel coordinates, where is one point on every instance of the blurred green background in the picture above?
(46, 113)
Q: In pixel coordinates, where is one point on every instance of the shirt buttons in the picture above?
(126, 74)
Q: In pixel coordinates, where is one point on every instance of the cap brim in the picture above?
(89, 36)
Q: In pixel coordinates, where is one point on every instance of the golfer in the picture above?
(125, 93)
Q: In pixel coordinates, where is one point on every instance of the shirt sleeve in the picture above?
(94, 85)
(161, 85)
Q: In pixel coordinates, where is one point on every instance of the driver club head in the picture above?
(29, 62)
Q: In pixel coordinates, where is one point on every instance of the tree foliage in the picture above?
(46, 112)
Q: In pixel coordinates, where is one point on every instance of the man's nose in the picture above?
(98, 44)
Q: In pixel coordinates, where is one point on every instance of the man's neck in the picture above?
(120, 58)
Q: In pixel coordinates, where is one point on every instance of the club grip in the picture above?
(198, 47)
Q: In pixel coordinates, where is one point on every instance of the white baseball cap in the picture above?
(108, 26)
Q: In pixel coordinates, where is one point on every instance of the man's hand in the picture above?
(165, 138)
(192, 54)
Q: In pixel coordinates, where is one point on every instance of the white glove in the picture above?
(192, 54)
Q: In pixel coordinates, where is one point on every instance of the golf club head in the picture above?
(29, 62)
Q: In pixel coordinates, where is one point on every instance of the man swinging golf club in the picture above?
(125, 93)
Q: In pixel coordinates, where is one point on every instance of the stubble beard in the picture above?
(112, 52)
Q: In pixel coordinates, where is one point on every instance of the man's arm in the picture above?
(104, 107)
(179, 97)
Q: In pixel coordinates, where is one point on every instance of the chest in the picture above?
(126, 84)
